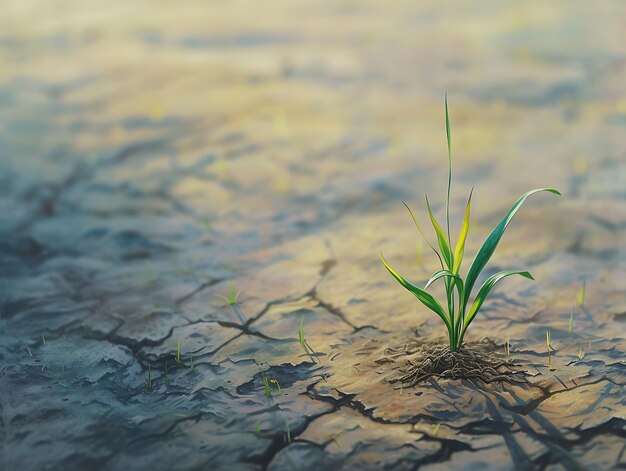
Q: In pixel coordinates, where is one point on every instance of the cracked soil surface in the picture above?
(154, 157)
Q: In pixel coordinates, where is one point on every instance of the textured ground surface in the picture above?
(153, 155)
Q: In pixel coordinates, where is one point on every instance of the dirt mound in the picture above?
(478, 361)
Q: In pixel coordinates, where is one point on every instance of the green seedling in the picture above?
(63, 383)
(548, 343)
(29, 352)
(191, 364)
(580, 296)
(257, 429)
(460, 313)
(275, 384)
(149, 378)
(287, 432)
(232, 298)
(436, 429)
(571, 321)
(266, 382)
(166, 377)
(507, 347)
(43, 340)
(581, 355)
(303, 343)
(177, 357)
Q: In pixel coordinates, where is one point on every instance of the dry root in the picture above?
(476, 361)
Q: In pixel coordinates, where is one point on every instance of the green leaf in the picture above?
(426, 298)
(485, 289)
(490, 244)
(442, 273)
(441, 238)
(419, 228)
(460, 245)
(448, 138)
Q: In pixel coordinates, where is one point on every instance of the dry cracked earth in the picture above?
(155, 157)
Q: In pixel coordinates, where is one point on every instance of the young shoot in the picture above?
(303, 343)
(548, 344)
(458, 313)
(580, 296)
(232, 299)
(266, 382)
(177, 357)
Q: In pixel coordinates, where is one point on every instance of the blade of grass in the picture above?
(460, 244)
(448, 138)
(580, 297)
(441, 274)
(441, 238)
(484, 291)
(489, 246)
(419, 228)
(425, 298)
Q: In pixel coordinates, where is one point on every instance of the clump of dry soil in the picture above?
(478, 361)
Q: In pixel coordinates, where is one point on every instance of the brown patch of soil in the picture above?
(478, 361)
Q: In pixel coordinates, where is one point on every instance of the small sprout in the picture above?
(580, 297)
(303, 343)
(29, 352)
(459, 312)
(166, 377)
(179, 414)
(43, 340)
(191, 364)
(275, 384)
(266, 383)
(436, 429)
(232, 298)
(177, 357)
(63, 383)
(548, 344)
(287, 432)
(257, 429)
(581, 355)
(507, 347)
(571, 321)
(149, 378)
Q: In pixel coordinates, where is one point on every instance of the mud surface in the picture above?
(152, 157)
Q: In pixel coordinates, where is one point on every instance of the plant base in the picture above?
(479, 361)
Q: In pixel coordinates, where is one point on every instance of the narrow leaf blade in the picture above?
(426, 299)
(419, 228)
(460, 245)
(486, 288)
(441, 274)
(441, 238)
(490, 244)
